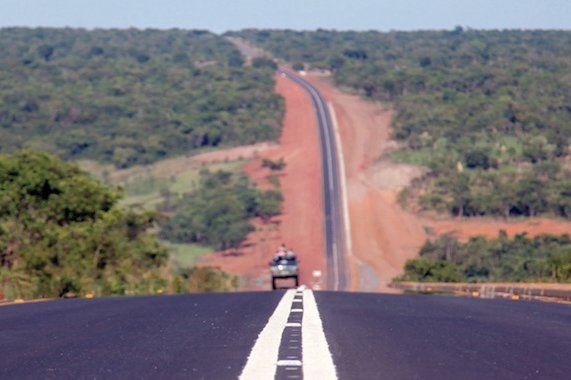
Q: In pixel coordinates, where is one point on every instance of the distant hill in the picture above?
(489, 112)
(130, 96)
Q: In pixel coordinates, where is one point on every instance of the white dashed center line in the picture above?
(270, 359)
(317, 360)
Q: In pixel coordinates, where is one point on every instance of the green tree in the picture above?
(218, 213)
(61, 233)
(520, 259)
(130, 97)
(495, 101)
(430, 270)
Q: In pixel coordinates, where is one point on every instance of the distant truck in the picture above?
(284, 266)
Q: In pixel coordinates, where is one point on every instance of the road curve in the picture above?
(337, 271)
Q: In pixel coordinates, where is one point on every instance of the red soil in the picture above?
(300, 226)
(384, 235)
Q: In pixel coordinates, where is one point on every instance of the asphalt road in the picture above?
(210, 336)
(337, 278)
(205, 336)
(375, 336)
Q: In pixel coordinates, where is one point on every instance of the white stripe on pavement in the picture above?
(316, 357)
(262, 361)
(343, 180)
(316, 362)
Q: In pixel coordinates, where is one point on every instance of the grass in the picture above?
(505, 148)
(419, 157)
(186, 255)
(188, 180)
(145, 186)
(146, 189)
(149, 201)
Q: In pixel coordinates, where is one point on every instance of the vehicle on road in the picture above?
(284, 266)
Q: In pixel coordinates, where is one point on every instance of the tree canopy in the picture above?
(545, 258)
(487, 111)
(130, 96)
(62, 233)
(218, 212)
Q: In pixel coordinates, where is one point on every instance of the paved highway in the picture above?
(196, 336)
(337, 276)
(290, 335)
(375, 336)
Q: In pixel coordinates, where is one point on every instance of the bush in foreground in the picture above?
(62, 234)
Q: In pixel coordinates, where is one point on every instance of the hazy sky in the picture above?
(222, 15)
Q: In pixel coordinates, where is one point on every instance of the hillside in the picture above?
(130, 97)
(486, 111)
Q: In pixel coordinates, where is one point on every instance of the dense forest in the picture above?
(130, 96)
(545, 258)
(488, 112)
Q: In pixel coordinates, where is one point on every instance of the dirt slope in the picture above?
(384, 235)
(301, 224)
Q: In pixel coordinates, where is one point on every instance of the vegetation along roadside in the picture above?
(486, 111)
(123, 99)
(544, 258)
(130, 97)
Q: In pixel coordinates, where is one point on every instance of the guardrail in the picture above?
(515, 291)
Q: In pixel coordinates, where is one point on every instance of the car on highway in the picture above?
(284, 267)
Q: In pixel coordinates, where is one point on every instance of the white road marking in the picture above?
(343, 180)
(328, 147)
(327, 140)
(261, 363)
(317, 360)
(321, 111)
(297, 310)
(335, 266)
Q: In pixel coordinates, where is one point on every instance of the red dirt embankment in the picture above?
(300, 226)
(384, 235)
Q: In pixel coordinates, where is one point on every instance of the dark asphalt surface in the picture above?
(337, 277)
(375, 336)
(210, 336)
(189, 336)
